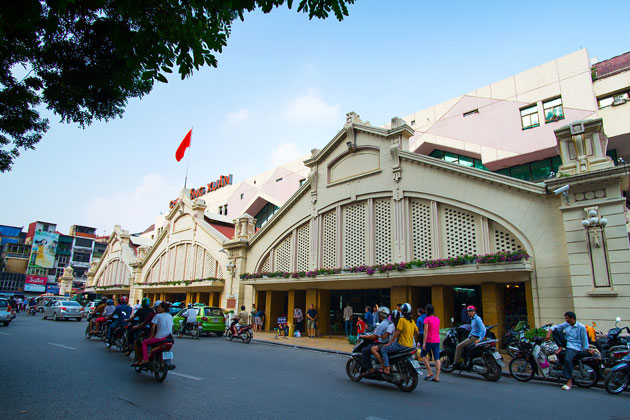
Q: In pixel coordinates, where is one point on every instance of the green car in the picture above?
(210, 317)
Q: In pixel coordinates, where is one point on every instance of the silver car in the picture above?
(63, 309)
(5, 313)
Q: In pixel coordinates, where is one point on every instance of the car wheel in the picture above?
(55, 316)
(78, 319)
(6, 323)
(43, 315)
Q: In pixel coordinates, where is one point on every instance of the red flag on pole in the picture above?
(179, 154)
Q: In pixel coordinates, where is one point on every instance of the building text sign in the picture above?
(212, 186)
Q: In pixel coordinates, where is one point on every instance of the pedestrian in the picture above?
(368, 317)
(572, 336)
(137, 305)
(298, 318)
(477, 333)
(261, 314)
(360, 326)
(464, 314)
(431, 342)
(347, 318)
(252, 315)
(375, 319)
(13, 304)
(420, 323)
(311, 321)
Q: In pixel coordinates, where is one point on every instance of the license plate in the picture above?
(217, 320)
(497, 355)
(167, 355)
(415, 364)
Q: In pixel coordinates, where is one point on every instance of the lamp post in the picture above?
(594, 225)
(230, 268)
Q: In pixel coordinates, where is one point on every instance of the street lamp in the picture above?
(231, 267)
(594, 224)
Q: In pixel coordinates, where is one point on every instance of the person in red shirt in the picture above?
(360, 326)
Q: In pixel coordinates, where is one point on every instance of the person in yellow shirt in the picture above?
(403, 337)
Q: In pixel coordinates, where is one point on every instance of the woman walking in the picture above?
(431, 343)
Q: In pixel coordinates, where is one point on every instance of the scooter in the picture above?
(160, 360)
(532, 359)
(404, 369)
(192, 329)
(244, 332)
(101, 332)
(618, 378)
(613, 346)
(482, 357)
(119, 338)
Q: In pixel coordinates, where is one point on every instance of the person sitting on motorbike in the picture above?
(97, 313)
(243, 318)
(138, 319)
(161, 329)
(381, 336)
(143, 330)
(402, 339)
(572, 336)
(120, 315)
(105, 315)
(477, 333)
(190, 318)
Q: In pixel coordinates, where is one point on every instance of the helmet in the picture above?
(395, 314)
(123, 299)
(471, 308)
(157, 302)
(104, 300)
(384, 311)
(405, 309)
(146, 302)
(110, 302)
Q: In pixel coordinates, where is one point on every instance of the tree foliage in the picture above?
(86, 58)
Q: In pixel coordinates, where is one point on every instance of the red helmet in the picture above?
(471, 308)
(123, 299)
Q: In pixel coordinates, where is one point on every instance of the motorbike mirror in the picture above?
(618, 319)
(452, 319)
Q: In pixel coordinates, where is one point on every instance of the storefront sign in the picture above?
(52, 289)
(39, 280)
(212, 186)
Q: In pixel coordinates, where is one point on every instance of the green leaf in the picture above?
(161, 78)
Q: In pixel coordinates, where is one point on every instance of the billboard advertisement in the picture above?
(44, 248)
(35, 283)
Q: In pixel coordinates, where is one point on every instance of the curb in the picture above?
(296, 346)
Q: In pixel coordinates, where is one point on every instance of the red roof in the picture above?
(613, 65)
(149, 229)
(227, 231)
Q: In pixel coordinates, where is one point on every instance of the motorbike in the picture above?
(160, 360)
(513, 337)
(404, 369)
(119, 338)
(533, 358)
(32, 311)
(101, 332)
(244, 332)
(613, 347)
(618, 378)
(482, 357)
(193, 329)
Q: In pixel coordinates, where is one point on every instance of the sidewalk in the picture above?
(333, 344)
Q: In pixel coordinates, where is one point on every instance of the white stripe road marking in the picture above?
(62, 346)
(3, 333)
(194, 378)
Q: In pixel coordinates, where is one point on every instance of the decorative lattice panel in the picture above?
(283, 255)
(180, 260)
(163, 267)
(125, 274)
(383, 231)
(354, 234)
(460, 231)
(265, 267)
(208, 265)
(303, 248)
(504, 240)
(329, 240)
(172, 255)
(198, 262)
(189, 274)
(219, 272)
(421, 230)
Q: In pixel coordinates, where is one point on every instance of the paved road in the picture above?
(49, 369)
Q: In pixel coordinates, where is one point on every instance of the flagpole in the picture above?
(188, 160)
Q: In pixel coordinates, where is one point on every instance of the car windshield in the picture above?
(70, 303)
(213, 312)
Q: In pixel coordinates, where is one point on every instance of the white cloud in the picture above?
(284, 153)
(233, 118)
(310, 107)
(134, 210)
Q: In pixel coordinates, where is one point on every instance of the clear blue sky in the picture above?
(283, 85)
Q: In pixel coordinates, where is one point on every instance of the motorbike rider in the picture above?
(403, 338)
(139, 317)
(477, 333)
(572, 336)
(105, 315)
(381, 335)
(242, 320)
(98, 311)
(161, 329)
(190, 317)
(120, 315)
(143, 330)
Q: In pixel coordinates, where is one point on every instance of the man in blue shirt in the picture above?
(120, 315)
(369, 319)
(477, 333)
(576, 342)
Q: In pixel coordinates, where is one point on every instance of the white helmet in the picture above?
(384, 311)
(405, 309)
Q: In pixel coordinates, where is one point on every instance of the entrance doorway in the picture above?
(358, 299)
(515, 303)
(464, 296)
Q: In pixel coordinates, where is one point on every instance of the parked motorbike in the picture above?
(244, 332)
(160, 360)
(404, 369)
(481, 358)
(613, 346)
(513, 337)
(533, 358)
(618, 378)
(193, 329)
